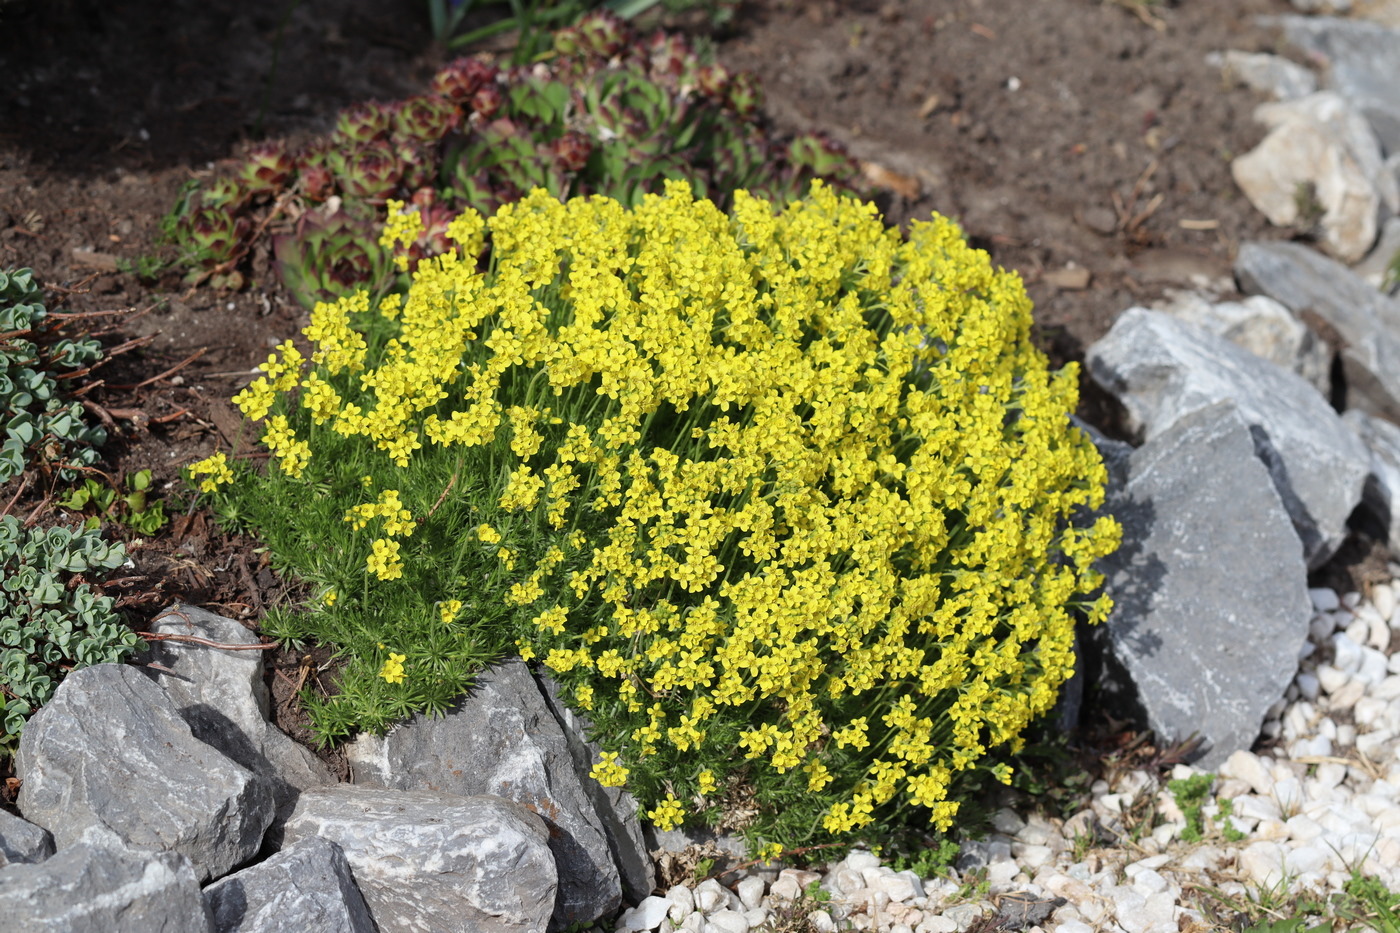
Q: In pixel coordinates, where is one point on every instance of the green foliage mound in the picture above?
(785, 500)
(608, 111)
(50, 622)
(42, 428)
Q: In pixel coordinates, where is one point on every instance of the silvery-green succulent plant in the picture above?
(40, 426)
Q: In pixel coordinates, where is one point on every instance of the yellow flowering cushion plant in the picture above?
(786, 499)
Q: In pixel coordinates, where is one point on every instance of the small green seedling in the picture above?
(132, 509)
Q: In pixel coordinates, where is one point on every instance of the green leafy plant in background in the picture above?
(43, 427)
(609, 112)
(530, 20)
(51, 619)
(781, 498)
(131, 509)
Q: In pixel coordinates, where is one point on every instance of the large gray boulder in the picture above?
(1362, 62)
(21, 842)
(109, 757)
(221, 695)
(1162, 369)
(90, 888)
(306, 887)
(1365, 322)
(1210, 588)
(503, 739)
(1380, 501)
(436, 862)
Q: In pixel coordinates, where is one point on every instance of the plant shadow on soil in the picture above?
(1062, 134)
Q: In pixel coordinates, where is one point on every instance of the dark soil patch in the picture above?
(1062, 134)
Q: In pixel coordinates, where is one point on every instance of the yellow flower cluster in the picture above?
(668, 814)
(392, 671)
(214, 469)
(792, 463)
(384, 561)
(608, 772)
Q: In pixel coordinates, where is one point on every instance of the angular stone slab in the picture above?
(1363, 65)
(503, 740)
(110, 757)
(1380, 501)
(1263, 327)
(434, 862)
(89, 888)
(307, 887)
(21, 842)
(1162, 369)
(222, 696)
(1365, 321)
(1209, 587)
(616, 807)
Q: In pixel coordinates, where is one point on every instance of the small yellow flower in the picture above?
(769, 852)
(216, 469)
(668, 814)
(384, 560)
(448, 609)
(707, 781)
(392, 671)
(329, 598)
(507, 557)
(608, 772)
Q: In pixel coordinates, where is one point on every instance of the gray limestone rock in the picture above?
(1263, 327)
(435, 862)
(1363, 321)
(1381, 498)
(222, 696)
(306, 887)
(110, 758)
(502, 739)
(1210, 589)
(90, 888)
(1322, 6)
(1162, 369)
(1272, 74)
(21, 842)
(1362, 64)
(617, 809)
(1379, 267)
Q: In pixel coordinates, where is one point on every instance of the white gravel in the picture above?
(1327, 800)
